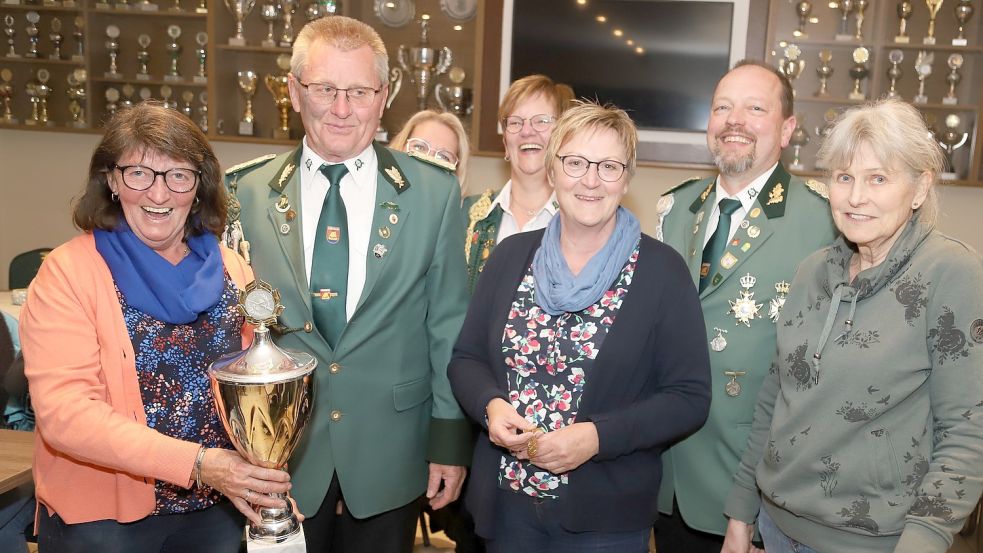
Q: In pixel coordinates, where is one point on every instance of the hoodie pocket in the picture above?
(886, 468)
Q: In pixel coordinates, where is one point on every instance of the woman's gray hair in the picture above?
(896, 133)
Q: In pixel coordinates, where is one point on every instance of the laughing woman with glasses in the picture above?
(435, 136)
(582, 357)
(527, 115)
(118, 330)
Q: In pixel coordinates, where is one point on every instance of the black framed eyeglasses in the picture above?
(323, 93)
(539, 123)
(608, 170)
(140, 178)
(423, 147)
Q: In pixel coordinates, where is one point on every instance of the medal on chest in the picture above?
(777, 302)
(733, 387)
(744, 308)
(718, 343)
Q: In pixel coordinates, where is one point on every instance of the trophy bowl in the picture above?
(264, 396)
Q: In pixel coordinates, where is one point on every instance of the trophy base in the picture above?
(201, 10)
(892, 95)
(237, 41)
(296, 544)
(115, 76)
(948, 176)
(9, 121)
(859, 96)
(31, 122)
(13, 56)
(845, 38)
(143, 77)
(277, 526)
(78, 59)
(281, 134)
(960, 42)
(821, 94)
(902, 39)
(56, 57)
(103, 6)
(69, 4)
(285, 44)
(928, 40)
(950, 101)
(173, 78)
(32, 55)
(199, 79)
(246, 128)
(148, 7)
(267, 43)
(797, 167)
(919, 100)
(51, 3)
(177, 9)
(123, 6)
(79, 125)
(11, 2)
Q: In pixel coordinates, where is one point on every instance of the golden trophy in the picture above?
(825, 71)
(905, 10)
(791, 66)
(933, 11)
(264, 396)
(277, 85)
(247, 86)
(858, 73)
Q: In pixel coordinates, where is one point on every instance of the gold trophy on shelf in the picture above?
(923, 67)
(905, 10)
(6, 94)
(859, 72)
(247, 86)
(955, 62)
(424, 63)
(277, 85)
(264, 396)
(76, 98)
(825, 71)
(39, 90)
(964, 11)
(859, 7)
(791, 66)
(933, 11)
(895, 72)
(802, 10)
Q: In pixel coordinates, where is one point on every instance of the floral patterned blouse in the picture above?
(171, 362)
(548, 359)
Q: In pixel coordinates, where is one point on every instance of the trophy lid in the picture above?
(263, 362)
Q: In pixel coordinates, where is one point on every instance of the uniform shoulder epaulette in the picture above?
(682, 184)
(433, 161)
(819, 188)
(249, 164)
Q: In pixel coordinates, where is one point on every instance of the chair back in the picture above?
(24, 267)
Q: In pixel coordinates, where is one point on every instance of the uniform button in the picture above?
(334, 368)
(335, 415)
(308, 327)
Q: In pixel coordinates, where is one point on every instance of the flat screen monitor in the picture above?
(657, 59)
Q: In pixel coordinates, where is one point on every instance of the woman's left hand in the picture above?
(565, 449)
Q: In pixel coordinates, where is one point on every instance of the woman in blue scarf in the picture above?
(118, 330)
(582, 357)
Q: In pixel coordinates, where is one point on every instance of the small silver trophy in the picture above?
(859, 7)
(39, 90)
(955, 62)
(280, 90)
(174, 51)
(32, 35)
(128, 92)
(145, 94)
(951, 140)
(455, 98)
(240, 10)
(825, 71)
(895, 72)
(76, 98)
(247, 86)
(79, 35)
(287, 9)
(269, 13)
(202, 7)
(905, 10)
(264, 397)
(923, 68)
(187, 96)
(112, 48)
(165, 94)
(859, 72)
(143, 57)
(802, 10)
(800, 137)
(6, 94)
(177, 7)
(56, 39)
(8, 21)
(424, 63)
(123, 5)
(845, 7)
(321, 8)
(201, 53)
(933, 12)
(964, 11)
(791, 66)
(112, 96)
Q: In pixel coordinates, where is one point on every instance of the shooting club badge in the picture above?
(744, 308)
(777, 302)
(332, 235)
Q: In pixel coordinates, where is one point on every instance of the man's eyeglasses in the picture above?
(608, 170)
(539, 123)
(325, 94)
(140, 178)
(422, 147)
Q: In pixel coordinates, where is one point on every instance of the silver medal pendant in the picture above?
(718, 343)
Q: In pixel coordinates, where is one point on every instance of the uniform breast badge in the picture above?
(777, 302)
(733, 387)
(744, 308)
(719, 343)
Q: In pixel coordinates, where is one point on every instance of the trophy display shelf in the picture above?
(934, 47)
(41, 61)
(254, 48)
(146, 13)
(143, 82)
(40, 8)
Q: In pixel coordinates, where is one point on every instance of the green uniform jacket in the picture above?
(383, 405)
(790, 221)
(481, 231)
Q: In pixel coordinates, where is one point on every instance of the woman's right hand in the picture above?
(243, 483)
(506, 427)
(738, 538)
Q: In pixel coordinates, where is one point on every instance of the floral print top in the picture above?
(548, 359)
(171, 362)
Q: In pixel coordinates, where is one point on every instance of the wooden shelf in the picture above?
(41, 61)
(39, 8)
(164, 12)
(156, 82)
(253, 49)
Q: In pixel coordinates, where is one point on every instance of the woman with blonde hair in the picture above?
(432, 135)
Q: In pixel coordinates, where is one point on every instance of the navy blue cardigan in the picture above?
(648, 387)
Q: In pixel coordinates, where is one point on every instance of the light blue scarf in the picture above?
(558, 290)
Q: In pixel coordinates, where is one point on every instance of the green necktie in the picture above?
(329, 267)
(717, 243)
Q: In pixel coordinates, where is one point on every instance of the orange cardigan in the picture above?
(94, 456)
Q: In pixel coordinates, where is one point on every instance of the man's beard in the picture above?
(732, 167)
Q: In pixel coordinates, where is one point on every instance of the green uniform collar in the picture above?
(771, 197)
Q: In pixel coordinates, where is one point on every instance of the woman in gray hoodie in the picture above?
(868, 434)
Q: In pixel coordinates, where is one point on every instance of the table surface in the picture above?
(7, 306)
(16, 457)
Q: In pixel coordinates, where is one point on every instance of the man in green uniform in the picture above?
(742, 234)
(365, 247)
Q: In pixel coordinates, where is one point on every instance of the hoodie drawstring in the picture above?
(834, 306)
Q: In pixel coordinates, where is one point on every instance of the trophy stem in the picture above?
(278, 525)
